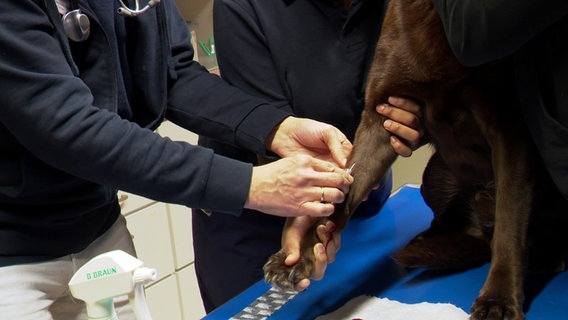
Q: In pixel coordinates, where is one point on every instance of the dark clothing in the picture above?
(76, 123)
(533, 32)
(308, 57)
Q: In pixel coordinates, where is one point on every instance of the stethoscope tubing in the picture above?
(126, 11)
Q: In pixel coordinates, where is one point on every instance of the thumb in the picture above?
(339, 146)
(292, 235)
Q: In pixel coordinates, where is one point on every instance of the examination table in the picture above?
(363, 267)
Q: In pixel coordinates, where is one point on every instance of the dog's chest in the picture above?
(457, 136)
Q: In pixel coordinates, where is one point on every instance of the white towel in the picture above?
(371, 308)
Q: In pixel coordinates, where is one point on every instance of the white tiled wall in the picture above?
(162, 236)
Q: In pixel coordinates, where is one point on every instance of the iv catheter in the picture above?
(110, 275)
(126, 11)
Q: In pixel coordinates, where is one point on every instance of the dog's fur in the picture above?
(479, 183)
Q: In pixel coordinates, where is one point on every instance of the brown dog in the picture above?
(481, 180)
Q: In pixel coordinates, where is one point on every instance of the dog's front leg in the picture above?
(502, 294)
(371, 158)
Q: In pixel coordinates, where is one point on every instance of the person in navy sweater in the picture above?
(83, 89)
(309, 58)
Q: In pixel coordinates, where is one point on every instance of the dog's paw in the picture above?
(488, 307)
(279, 275)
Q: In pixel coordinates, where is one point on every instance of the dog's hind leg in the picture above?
(454, 238)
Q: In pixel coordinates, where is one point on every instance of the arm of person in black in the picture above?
(204, 103)
(480, 31)
(224, 112)
(50, 113)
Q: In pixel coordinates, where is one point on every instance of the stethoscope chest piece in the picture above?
(77, 25)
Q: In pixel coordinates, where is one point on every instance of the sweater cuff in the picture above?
(228, 186)
(258, 125)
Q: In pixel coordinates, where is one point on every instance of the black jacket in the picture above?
(534, 33)
(265, 38)
(76, 123)
(258, 44)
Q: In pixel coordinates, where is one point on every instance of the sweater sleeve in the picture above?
(48, 112)
(244, 53)
(209, 106)
(480, 31)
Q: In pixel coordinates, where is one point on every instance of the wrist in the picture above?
(252, 201)
(277, 135)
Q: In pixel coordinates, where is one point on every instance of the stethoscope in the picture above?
(78, 27)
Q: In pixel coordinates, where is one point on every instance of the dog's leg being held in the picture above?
(371, 158)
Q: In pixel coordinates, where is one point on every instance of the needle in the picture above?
(350, 169)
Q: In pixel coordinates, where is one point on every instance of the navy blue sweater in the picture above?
(77, 120)
(260, 44)
(265, 38)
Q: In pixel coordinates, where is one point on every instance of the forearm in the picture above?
(209, 106)
(224, 113)
(480, 31)
(49, 118)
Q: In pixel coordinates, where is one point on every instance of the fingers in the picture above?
(405, 104)
(324, 251)
(331, 195)
(309, 137)
(404, 123)
(396, 124)
(294, 230)
(298, 185)
(329, 175)
(321, 261)
(302, 285)
(330, 238)
(325, 166)
(399, 147)
(338, 144)
(330, 185)
(316, 209)
(398, 114)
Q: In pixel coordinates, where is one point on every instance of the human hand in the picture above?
(324, 251)
(297, 185)
(404, 124)
(305, 136)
